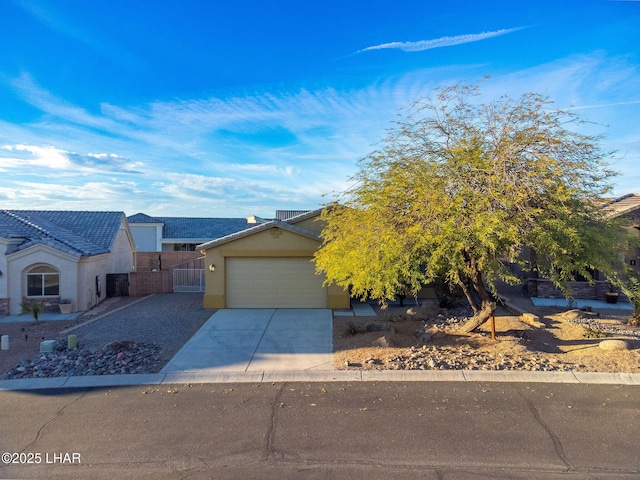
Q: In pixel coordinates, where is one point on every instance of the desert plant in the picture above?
(590, 332)
(351, 329)
(631, 288)
(34, 309)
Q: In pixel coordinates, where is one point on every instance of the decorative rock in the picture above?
(381, 342)
(614, 345)
(135, 358)
(533, 320)
(570, 315)
(47, 346)
(425, 338)
(428, 310)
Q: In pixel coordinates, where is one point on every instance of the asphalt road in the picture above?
(426, 430)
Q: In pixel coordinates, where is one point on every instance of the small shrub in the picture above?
(592, 333)
(351, 329)
(35, 309)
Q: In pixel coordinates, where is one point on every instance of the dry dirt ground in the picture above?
(569, 340)
(25, 338)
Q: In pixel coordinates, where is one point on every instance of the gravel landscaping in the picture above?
(166, 320)
(140, 338)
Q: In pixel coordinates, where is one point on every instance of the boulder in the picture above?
(614, 345)
(427, 311)
(571, 315)
(382, 342)
(429, 334)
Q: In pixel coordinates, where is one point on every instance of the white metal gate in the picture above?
(188, 280)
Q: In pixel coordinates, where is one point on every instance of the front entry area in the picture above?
(259, 340)
(274, 282)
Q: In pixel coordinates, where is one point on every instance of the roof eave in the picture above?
(256, 229)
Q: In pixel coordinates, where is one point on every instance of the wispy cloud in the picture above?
(191, 165)
(421, 45)
(51, 158)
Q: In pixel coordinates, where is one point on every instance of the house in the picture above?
(53, 255)
(269, 265)
(181, 234)
(627, 206)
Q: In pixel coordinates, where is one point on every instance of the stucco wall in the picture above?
(147, 237)
(121, 258)
(77, 275)
(312, 224)
(3, 269)
(21, 262)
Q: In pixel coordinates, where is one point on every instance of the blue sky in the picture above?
(231, 108)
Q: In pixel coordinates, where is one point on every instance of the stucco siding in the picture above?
(271, 243)
(312, 224)
(121, 258)
(3, 269)
(147, 238)
(21, 262)
(77, 274)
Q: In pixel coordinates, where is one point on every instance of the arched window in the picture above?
(43, 281)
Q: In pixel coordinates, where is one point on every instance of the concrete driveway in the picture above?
(259, 339)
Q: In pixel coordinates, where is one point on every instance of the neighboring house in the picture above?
(627, 206)
(269, 265)
(181, 234)
(287, 214)
(53, 255)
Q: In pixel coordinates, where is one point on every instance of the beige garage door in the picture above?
(273, 282)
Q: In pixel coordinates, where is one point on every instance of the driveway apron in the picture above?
(259, 339)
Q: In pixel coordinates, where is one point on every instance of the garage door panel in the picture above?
(273, 282)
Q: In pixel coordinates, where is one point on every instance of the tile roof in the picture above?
(142, 218)
(623, 205)
(77, 233)
(194, 228)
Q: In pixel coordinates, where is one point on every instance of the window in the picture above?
(580, 278)
(184, 247)
(43, 281)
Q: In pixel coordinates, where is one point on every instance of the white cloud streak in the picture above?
(218, 157)
(52, 158)
(441, 42)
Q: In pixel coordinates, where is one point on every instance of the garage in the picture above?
(269, 265)
(283, 282)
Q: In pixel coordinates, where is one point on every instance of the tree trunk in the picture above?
(468, 293)
(487, 306)
(484, 314)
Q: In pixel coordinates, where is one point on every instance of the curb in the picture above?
(204, 377)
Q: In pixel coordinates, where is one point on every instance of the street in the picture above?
(365, 430)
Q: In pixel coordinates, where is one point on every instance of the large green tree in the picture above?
(458, 187)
